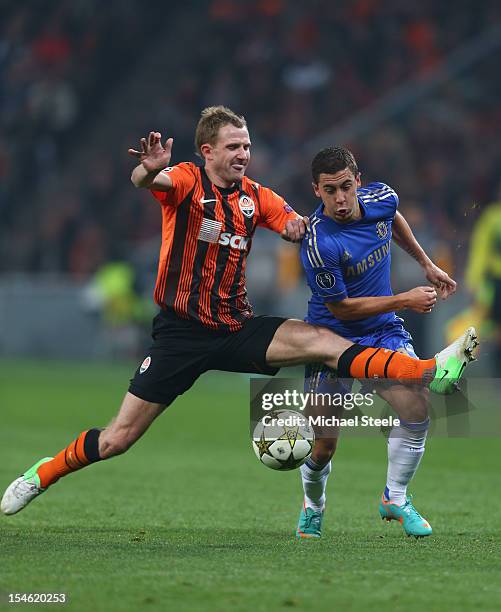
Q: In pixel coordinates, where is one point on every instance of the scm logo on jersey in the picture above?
(235, 242)
(247, 206)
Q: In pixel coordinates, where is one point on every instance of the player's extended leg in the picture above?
(133, 419)
(406, 445)
(296, 342)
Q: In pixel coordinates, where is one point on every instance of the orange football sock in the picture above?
(80, 453)
(369, 362)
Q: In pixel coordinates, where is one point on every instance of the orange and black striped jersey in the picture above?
(206, 237)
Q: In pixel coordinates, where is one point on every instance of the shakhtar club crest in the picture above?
(381, 229)
(247, 206)
(145, 365)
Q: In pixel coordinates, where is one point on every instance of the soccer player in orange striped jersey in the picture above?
(206, 235)
(209, 215)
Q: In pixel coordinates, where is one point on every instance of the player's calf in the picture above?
(113, 443)
(133, 419)
(324, 450)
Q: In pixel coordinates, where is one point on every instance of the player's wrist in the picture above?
(146, 177)
(402, 300)
(152, 171)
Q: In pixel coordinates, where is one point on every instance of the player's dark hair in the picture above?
(331, 160)
(211, 120)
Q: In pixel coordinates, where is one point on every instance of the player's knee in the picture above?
(418, 415)
(325, 344)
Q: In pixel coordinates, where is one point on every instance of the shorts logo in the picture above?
(325, 280)
(247, 206)
(381, 229)
(168, 169)
(145, 365)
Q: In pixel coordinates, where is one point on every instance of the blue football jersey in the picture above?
(351, 260)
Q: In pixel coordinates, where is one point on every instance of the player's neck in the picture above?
(217, 180)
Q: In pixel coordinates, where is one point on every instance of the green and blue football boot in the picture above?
(410, 519)
(310, 523)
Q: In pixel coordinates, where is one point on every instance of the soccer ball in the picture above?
(283, 439)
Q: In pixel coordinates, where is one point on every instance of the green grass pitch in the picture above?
(189, 520)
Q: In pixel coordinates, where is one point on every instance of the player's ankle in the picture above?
(395, 497)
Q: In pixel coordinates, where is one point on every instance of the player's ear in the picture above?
(359, 179)
(316, 190)
(205, 150)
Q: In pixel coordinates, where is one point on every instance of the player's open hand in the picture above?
(441, 280)
(153, 155)
(295, 229)
(421, 299)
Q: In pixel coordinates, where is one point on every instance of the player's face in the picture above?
(229, 156)
(338, 192)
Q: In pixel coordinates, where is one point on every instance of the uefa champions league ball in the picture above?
(283, 439)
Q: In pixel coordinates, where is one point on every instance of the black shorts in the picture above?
(183, 350)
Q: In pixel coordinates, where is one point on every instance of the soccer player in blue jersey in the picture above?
(346, 257)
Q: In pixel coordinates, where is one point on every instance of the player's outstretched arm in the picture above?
(153, 158)
(403, 236)
(420, 299)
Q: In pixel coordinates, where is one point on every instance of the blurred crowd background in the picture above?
(412, 88)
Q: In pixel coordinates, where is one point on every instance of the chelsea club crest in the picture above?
(381, 229)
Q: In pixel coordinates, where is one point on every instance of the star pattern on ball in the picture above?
(292, 434)
(263, 445)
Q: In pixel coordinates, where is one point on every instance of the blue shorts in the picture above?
(320, 378)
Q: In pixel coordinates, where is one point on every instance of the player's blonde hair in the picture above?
(211, 120)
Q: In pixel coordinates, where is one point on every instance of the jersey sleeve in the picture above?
(183, 179)
(274, 212)
(381, 200)
(321, 259)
